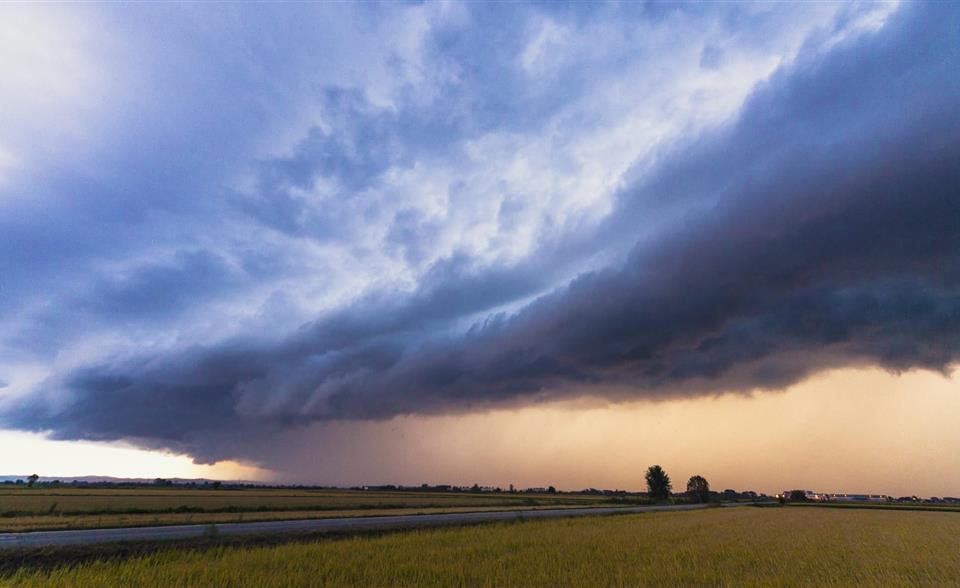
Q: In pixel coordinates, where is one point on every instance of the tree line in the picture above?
(659, 485)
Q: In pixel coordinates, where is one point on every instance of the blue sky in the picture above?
(220, 223)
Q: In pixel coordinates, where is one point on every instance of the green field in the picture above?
(717, 547)
(79, 508)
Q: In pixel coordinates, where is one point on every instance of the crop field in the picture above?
(717, 547)
(926, 506)
(78, 500)
(79, 508)
(65, 522)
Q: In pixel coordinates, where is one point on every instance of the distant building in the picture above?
(858, 498)
(807, 494)
(839, 497)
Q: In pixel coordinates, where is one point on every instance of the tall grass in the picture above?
(17, 502)
(721, 547)
(59, 521)
(61, 508)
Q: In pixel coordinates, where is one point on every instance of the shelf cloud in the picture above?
(494, 221)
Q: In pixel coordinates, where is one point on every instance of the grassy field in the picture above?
(719, 547)
(78, 508)
(21, 524)
(929, 507)
(80, 500)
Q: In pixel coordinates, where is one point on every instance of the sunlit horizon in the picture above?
(840, 431)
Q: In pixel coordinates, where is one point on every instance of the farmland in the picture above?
(23, 509)
(741, 546)
(922, 506)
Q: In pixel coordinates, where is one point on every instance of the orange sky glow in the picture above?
(842, 431)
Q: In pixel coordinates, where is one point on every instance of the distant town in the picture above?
(811, 496)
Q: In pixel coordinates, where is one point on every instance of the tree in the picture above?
(216, 484)
(698, 489)
(798, 496)
(658, 483)
(32, 479)
(551, 490)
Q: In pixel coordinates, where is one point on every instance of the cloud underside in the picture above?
(819, 229)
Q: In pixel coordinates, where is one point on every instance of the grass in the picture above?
(79, 508)
(64, 522)
(881, 505)
(142, 500)
(717, 547)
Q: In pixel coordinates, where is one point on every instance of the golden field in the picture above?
(717, 547)
(26, 523)
(79, 500)
(34, 509)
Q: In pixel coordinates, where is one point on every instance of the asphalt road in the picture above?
(91, 536)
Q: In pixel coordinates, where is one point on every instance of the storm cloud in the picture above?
(817, 227)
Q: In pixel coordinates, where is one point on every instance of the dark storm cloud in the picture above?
(241, 380)
(820, 229)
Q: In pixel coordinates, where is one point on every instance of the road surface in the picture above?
(90, 536)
